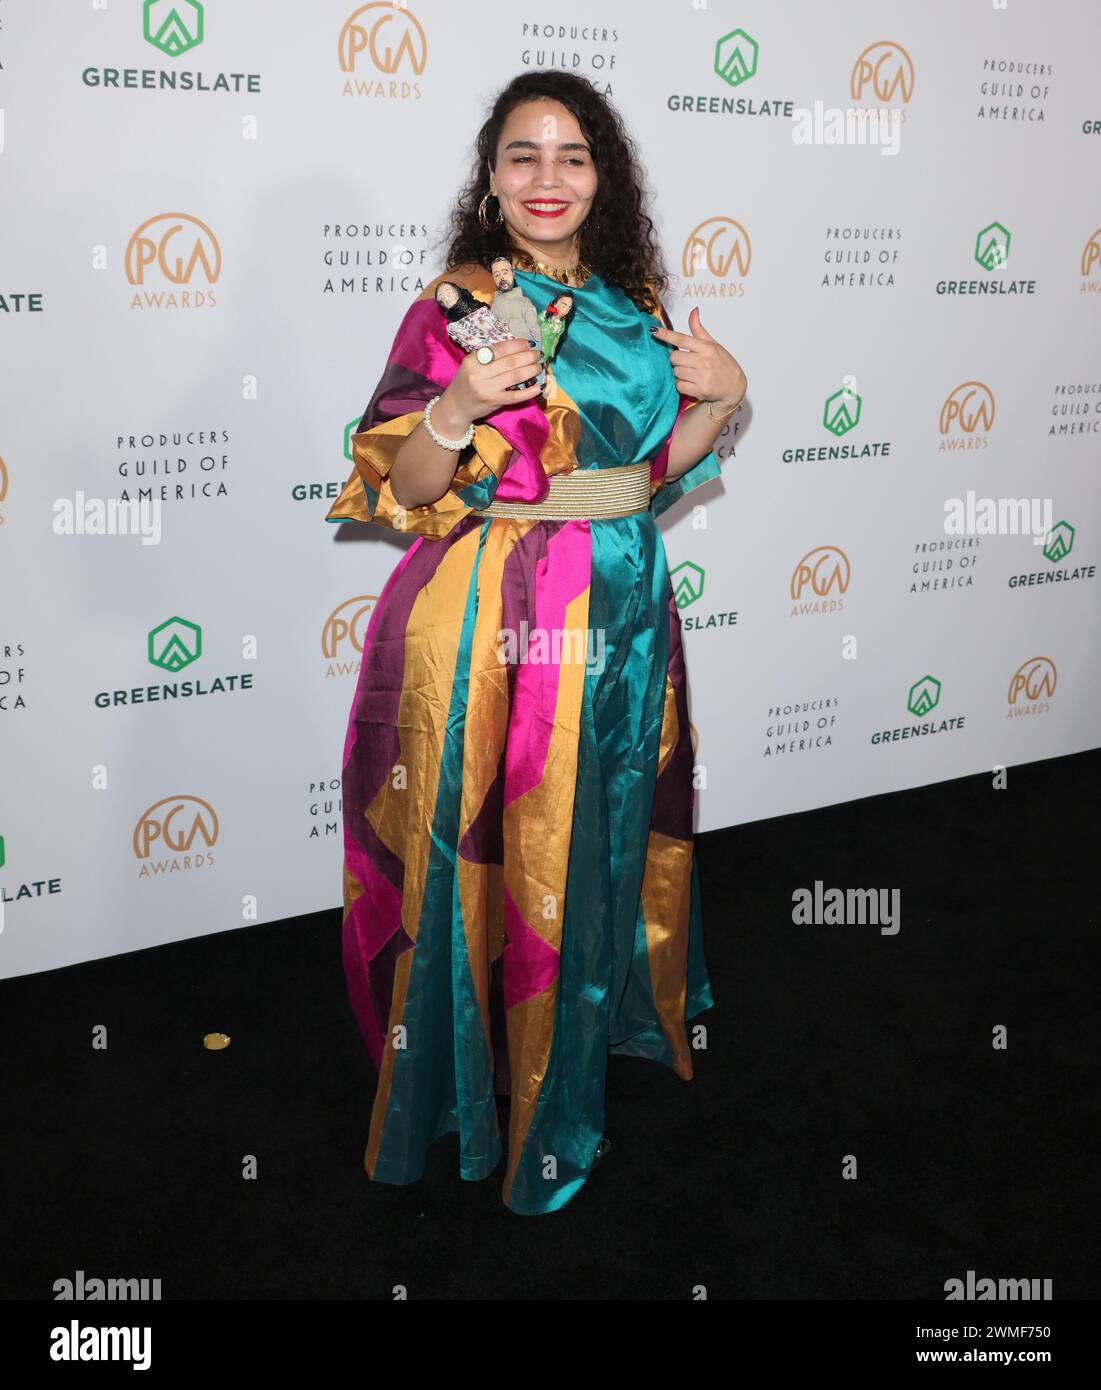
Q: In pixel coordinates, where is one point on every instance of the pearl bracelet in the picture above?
(446, 443)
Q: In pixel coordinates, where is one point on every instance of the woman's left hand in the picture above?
(702, 366)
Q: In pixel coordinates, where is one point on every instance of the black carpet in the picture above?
(825, 1041)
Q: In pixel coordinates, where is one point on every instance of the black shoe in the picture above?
(601, 1149)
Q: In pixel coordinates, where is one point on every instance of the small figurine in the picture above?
(552, 323)
(470, 323)
(512, 306)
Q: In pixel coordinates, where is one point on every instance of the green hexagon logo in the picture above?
(1059, 542)
(992, 246)
(842, 412)
(924, 695)
(173, 26)
(687, 583)
(352, 427)
(175, 643)
(736, 57)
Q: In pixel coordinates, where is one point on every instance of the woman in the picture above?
(521, 896)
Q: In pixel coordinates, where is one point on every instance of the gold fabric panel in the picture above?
(670, 727)
(666, 900)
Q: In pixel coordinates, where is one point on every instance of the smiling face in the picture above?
(501, 270)
(545, 179)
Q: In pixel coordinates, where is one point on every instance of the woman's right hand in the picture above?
(479, 388)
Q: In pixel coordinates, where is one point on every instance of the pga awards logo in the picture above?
(173, 260)
(175, 835)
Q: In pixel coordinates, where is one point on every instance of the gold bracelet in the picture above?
(726, 413)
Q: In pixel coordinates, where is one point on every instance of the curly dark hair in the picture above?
(617, 238)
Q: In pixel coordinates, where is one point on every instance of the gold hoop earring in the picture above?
(489, 226)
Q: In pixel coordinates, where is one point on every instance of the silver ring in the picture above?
(484, 355)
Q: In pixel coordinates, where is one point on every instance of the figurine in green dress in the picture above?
(552, 323)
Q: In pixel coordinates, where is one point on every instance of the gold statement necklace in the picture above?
(579, 272)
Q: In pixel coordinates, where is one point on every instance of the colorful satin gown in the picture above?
(520, 893)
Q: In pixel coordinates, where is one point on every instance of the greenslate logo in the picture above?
(924, 695)
(173, 26)
(352, 427)
(176, 643)
(736, 57)
(992, 246)
(1059, 542)
(842, 411)
(687, 583)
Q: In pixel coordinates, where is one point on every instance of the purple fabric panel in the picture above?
(373, 937)
(674, 793)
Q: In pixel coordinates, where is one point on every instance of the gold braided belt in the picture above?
(621, 490)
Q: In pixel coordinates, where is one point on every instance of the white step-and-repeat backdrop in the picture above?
(214, 216)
